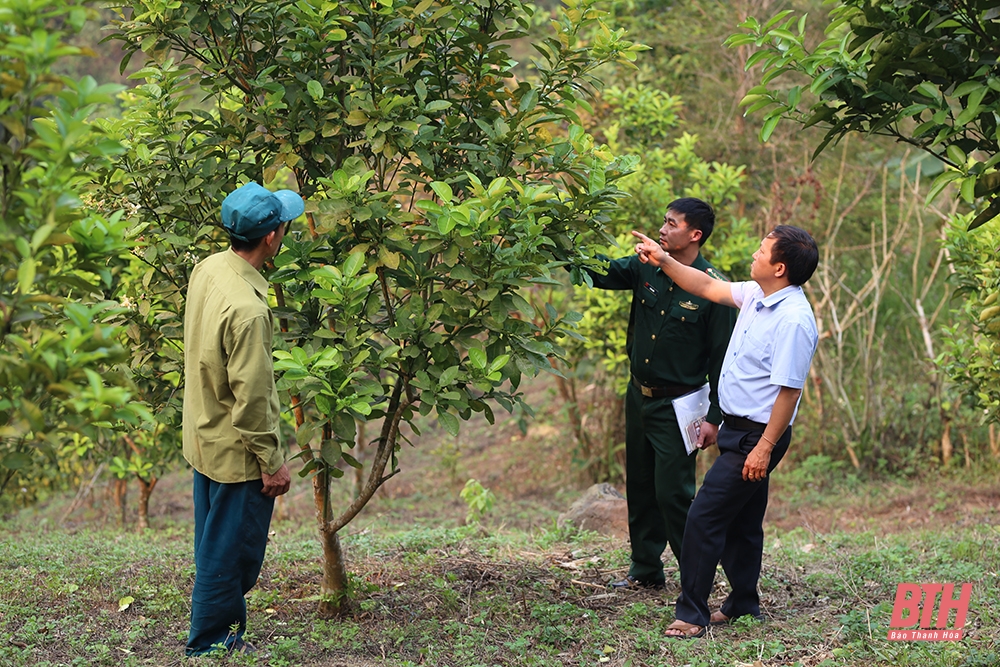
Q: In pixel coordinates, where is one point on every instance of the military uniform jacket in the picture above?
(673, 337)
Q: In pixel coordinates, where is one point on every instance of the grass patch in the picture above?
(466, 596)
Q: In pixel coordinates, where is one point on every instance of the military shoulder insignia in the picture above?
(715, 273)
(689, 305)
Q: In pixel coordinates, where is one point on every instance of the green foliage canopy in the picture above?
(59, 258)
(922, 71)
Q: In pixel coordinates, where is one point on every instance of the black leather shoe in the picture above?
(630, 582)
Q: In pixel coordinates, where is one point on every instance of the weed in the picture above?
(479, 499)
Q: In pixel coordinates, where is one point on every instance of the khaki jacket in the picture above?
(231, 411)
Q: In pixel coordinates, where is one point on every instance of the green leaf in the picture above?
(330, 451)
(523, 306)
(437, 105)
(315, 89)
(992, 211)
(968, 189)
(448, 376)
(966, 88)
(17, 461)
(351, 461)
(344, 426)
(768, 128)
(353, 264)
(598, 178)
(928, 89)
(966, 116)
(26, 275)
(972, 109)
(450, 423)
(528, 101)
(443, 191)
(956, 154)
(499, 363)
(940, 183)
(477, 358)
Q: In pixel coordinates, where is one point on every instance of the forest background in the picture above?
(107, 204)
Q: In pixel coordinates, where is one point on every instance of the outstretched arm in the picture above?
(687, 278)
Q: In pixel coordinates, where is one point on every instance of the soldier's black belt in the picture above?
(742, 423)
(664, 391)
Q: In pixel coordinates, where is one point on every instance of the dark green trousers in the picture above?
(659, 484)
(230, 533)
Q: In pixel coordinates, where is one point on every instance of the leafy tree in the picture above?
(441, 190)
(641, 121)
(925, 73)
(59, 257)
(972, 346)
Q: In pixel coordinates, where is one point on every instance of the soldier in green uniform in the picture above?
(675, 342)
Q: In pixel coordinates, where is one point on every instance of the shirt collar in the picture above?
(247, 272)
(771, 300)
(699, 263)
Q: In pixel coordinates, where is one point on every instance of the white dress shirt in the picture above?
(772, 347)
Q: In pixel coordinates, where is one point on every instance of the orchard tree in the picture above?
(60, 392)
(444, 183)
(926, 73)
(645, 122)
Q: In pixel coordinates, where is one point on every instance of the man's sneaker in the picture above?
(630, 582)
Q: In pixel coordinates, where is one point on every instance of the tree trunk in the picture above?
(946, 448)
(145, 491)
(121, 495)
(359, 454)
(333, 589)
(854, 456)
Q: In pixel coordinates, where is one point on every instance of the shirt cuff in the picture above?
(273, 463)
(791, 383)
(714, 415)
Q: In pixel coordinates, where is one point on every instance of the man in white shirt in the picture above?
(765, 369)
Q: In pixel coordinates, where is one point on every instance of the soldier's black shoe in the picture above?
(630, 582)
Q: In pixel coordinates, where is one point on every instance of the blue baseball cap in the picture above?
(252, 211)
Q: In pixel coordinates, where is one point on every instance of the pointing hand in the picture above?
(649, 251)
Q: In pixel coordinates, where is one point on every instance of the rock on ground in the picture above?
(601, 509)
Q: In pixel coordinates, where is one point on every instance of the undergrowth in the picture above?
(466, 596)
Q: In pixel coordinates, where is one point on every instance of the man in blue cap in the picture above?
(231, 414)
